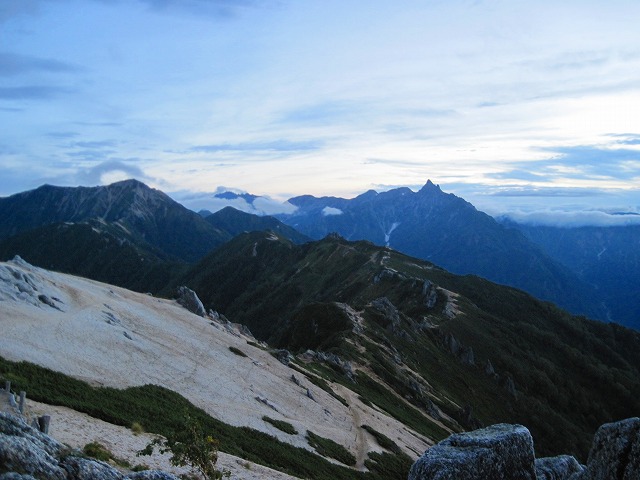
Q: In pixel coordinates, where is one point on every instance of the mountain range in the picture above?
(374, 329)
(448, 231)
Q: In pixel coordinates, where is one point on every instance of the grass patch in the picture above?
(286, 427)
(137, 428)
(329, 448)
(237, 351)
(384, 441)
(100, 452)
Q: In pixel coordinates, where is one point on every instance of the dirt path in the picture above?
(360, 439)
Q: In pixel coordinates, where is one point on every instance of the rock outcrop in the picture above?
(497, 452)
(189, 300)
(27, 454)
(505, 452)
(557, 468)
(615, 452)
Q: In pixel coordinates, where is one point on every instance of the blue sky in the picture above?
(526, 107)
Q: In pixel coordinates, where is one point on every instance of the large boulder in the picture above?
(615, 452)
(189, 300)
(27, 454)
(498, 452)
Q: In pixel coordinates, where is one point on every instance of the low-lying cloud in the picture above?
(569, 219)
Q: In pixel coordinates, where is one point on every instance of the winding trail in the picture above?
(361, 444)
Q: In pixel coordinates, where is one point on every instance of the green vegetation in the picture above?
(286, 427)
(190, 447)
(384, 441)
(162, 412)
(100, 452)
(328, 448)
(136, 428)
(237, 351)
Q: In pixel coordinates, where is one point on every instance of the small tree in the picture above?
(190, 447)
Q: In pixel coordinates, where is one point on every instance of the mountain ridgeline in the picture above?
(438, 351)
(448, 231)
(608, 258)
(462, 349)
(146, 215)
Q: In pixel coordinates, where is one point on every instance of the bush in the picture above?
(238, 352)
(329, 448)
(286, 427)
(191, 447)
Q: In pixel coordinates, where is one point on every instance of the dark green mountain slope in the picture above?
(606, 257)
(234, 222)
(95, 250)
(147, 215)
(429, 347)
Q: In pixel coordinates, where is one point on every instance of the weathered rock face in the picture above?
(506, 452)
(615, 452)
(557, 468)
(27, 454)
(189, 300)
(498, 452)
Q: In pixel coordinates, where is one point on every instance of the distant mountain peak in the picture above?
(430, 187)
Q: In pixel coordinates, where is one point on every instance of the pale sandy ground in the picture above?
(114, 337)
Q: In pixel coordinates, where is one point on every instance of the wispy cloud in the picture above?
(214, 8)
(12, 64)
(567, 219)
(35, 92)
(275, 146)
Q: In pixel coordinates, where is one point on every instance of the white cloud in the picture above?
(574, 219)
(327, 211)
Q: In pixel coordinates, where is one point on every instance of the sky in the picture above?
(526, 108)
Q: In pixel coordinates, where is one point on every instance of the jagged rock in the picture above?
(497, 452)
(389, 310)
(85, 469)
(332, 359)
(429, 293)
(244, 330)
(150, 475)
(452, 344)
(488, 368)
(15, 476)
(510, 385)
(27, 454)
(295, 380)
(557, 468)
(189, 300)
(310, 395)
(283, 356)
(615, 452)
(47, 301)
(466, 356)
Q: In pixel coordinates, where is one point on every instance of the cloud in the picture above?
(222, 9)
(35, 92)
(323, 113)
(110, 171)
(14, 64)
(275, 146)
(568, 219)
(531, 191)
(260, 205)
(328, 211)
(577, 162)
